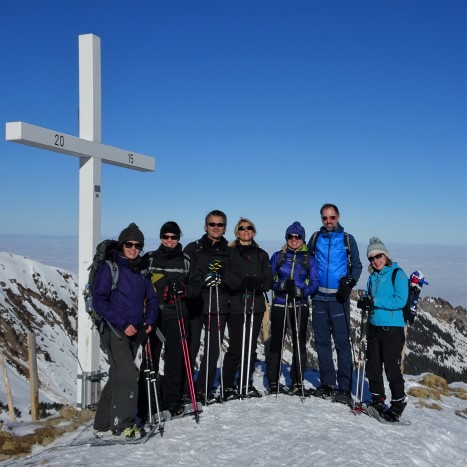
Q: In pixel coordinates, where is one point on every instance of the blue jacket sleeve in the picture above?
(355, 259)
(273, 262)
(313, 283)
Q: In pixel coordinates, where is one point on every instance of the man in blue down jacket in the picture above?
(338, 274)
(129, 311)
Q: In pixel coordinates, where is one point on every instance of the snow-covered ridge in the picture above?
(43, 300)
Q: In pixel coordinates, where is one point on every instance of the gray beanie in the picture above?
(375, 247)
(132, 232)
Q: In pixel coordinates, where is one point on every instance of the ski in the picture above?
(111, 441)
(315, 393)
(282, 390)
(372, 412)
(189, 410)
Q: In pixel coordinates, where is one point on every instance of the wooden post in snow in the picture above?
(33, 388)
(11, 408)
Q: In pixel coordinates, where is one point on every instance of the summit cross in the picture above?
(92, 153)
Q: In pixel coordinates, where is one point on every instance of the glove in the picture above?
(281, 287)
(346, 285)
(212, 279)
(177, 289)
(298, 292)
(215, 266)
(365, 303)
(290, 287)
(250, 283)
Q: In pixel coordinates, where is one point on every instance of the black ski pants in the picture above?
(239, 332)
(117, 405)
(385, 344)
(275, 344)
(174, 368)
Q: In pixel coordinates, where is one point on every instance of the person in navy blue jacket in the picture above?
(386, 337)
(339, 268)
(129, 312)
(295, 279)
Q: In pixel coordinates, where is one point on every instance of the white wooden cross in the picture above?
(91, 153)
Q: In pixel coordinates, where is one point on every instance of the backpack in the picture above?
(103, 254)
(314, 240)
(410, 308)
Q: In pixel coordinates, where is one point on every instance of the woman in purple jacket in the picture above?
(129, 312)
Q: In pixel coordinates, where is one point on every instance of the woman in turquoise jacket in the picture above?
(386, 337)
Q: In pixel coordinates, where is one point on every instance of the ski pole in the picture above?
(249, 342)
(220, 343)
(283, 339)
(154, 384)
(147, 375)
(186, 356)
(298, 346)
(243, 343)
(361, 364)
(208, 343)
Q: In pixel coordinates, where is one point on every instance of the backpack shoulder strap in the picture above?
(393, 277)
(282, 254)
(306, 263)
(114, 271)
(313, 240)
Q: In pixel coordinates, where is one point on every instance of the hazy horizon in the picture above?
(444, 266)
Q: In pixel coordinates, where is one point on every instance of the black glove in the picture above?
(281, 287)
(365, 303)
(177, 289)
(215, 266)
(346, 284)
(298, 292)
(212, 279)
(250, 283)
(290, 287)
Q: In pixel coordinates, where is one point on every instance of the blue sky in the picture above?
(263, 109)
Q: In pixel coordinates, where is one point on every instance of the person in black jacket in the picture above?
(247, 306)
(209, 297)
(167, 267)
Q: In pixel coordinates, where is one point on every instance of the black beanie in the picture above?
(132, 232)
(170, 227)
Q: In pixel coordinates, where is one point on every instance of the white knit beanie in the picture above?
(375, 247)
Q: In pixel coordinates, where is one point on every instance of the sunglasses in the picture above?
(130, 245)
(378, 256)
(294, 237)
(216, 224)
(331, 218)
(245, 227)
(169, 237)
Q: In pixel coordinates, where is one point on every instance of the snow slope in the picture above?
(282, 431)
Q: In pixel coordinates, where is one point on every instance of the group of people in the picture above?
(165, 298)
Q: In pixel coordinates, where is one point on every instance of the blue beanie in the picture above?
(296, 229)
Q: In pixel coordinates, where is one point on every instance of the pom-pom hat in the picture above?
(295, 229)
(132, 232)
(376, 247)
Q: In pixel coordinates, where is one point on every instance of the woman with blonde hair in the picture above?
(251, 267)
